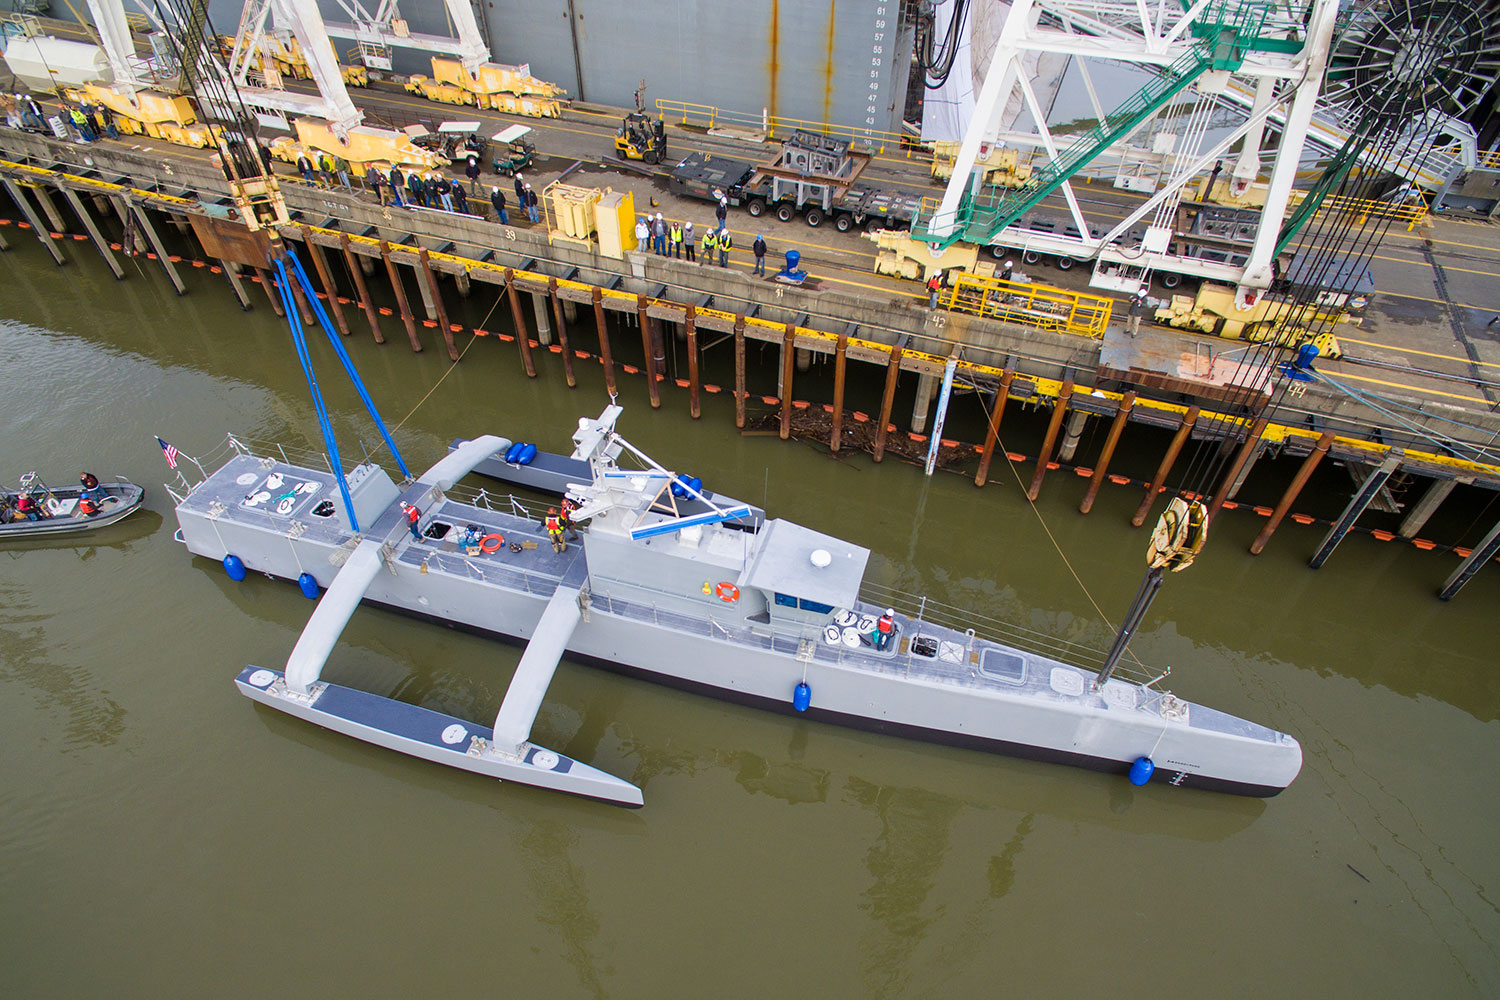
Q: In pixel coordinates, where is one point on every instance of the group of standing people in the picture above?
(526, 201)
(85, 122)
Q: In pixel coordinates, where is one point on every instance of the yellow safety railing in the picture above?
(1413, 212)
(1490, 159)
(708, 116)
(1040, 307)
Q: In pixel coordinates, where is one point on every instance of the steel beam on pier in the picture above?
(42, 233)
(1357, 504)
(1483, 553)
(161, 251)
(100, 243)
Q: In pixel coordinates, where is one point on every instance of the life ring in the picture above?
(728, 592)
(491, 543)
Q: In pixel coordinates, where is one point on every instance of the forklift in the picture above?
(639, 138)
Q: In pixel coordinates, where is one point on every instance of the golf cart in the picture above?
(513, 151)
(457, 141)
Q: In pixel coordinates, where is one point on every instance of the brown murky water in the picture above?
(162, 836)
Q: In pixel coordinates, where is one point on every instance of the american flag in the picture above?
(168, 451)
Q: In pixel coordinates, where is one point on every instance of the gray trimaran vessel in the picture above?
(719, 601)
(669, 583)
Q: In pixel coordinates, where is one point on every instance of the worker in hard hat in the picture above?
(885, 628)
(1139, 303)
(1006, 269)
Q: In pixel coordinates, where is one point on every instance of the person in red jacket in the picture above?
(413, 515)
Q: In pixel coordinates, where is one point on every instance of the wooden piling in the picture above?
(739, 371)
(299, 297)
(1246, 450)
(992, 432)
(264, 277)
(1173, 450)
(100, 243)
(603, 330)
(401, 303)
(1116, 428)
(788, 358)
(437, 300)
(690, 327)
(840, 365)
(523, 336)
(1325, 441)
(320, 264)
(562, 332)
(1059, 410)
(892, 373)
(652, 389)
(361, 289)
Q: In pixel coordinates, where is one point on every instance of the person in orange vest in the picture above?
(566, 516)
(885, 628)
(555, 530)
(934, 285)
(413, 515)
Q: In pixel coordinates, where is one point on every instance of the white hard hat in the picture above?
(890, 611)
(658, 215)
(1010, 263)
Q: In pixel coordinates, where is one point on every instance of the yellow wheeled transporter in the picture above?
(1003, 167)
(503, 88)
(1271, 320)
(367, 146)
(161, 116)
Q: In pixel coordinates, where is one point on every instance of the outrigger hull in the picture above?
(442, 739)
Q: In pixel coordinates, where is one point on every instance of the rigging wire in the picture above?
(936, 65)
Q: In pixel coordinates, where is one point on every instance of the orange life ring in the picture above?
(728, 592)
(487, 548)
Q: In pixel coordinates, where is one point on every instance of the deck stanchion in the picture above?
(1116, 428)
(1168, 460)
(992, 432)
(603, 329)
(1059, 410)
(361, 288)
(1325, 441)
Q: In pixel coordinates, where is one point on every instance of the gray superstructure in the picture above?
(714, 599)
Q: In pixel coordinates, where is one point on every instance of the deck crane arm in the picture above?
(302, 19)
(119, 48)
(385, 28)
